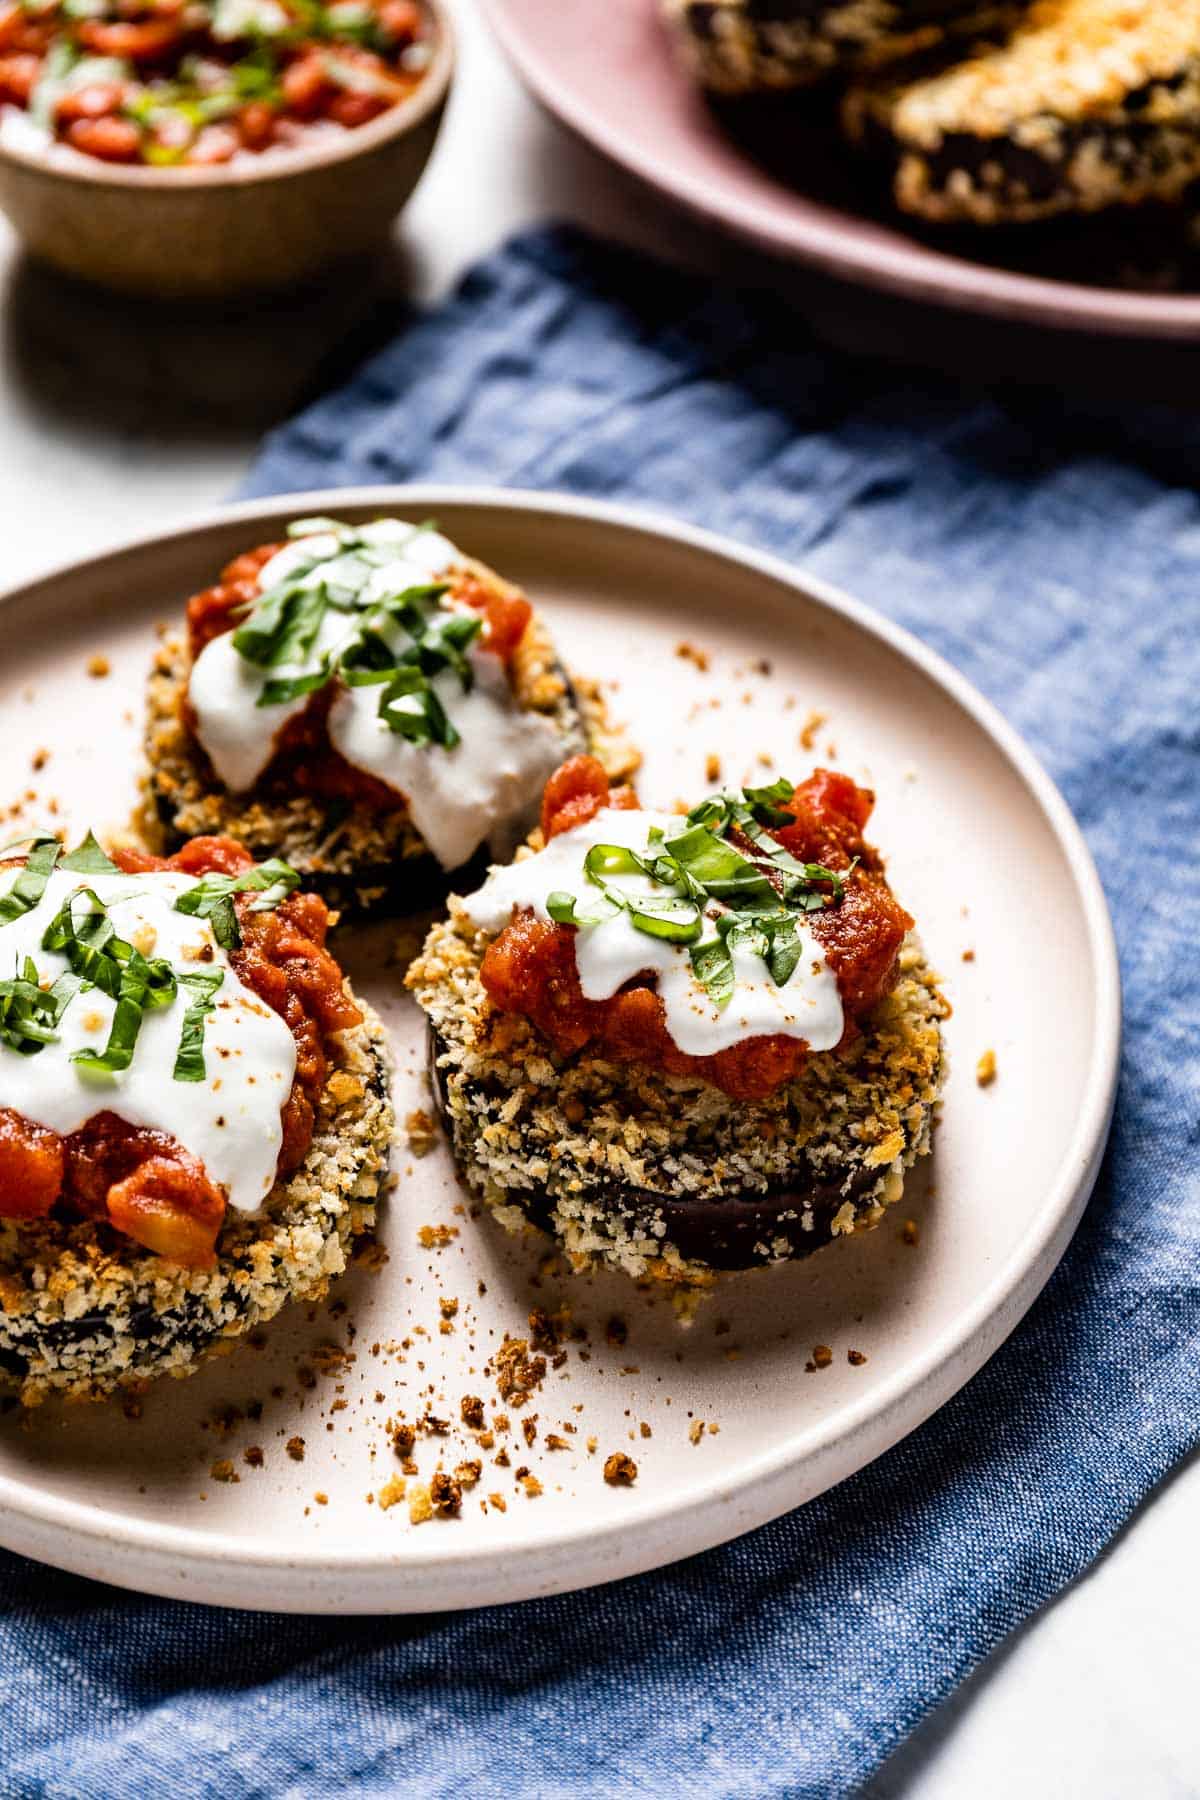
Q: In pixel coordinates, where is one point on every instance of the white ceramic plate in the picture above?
(971, 827)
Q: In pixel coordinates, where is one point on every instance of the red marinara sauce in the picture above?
(305, 762)
(161, 82)
(145, 1183)
(530, 968)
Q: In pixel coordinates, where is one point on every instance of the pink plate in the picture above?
(606, 69)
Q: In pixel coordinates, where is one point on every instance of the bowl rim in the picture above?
(425, 99)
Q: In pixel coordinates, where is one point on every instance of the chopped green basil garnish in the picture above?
(712, 965)
(29, 1013)
(344, 577)
(30, 884)
(282, 689)
(771, 936)
(283, 625)
(611, 859)
(84, 939)
(565, 909)
(723, 872)
(670, 915)
(212, 897)
(88, 859)
(82, 932)
(678, 921)
(409, 707)
(699, 870)
(806, 886)
(437, 640)
(764, 802)
(44, 855)
(132, 1003)
(100, 958)
(402, 640)
(783, 950)
(189, 1061)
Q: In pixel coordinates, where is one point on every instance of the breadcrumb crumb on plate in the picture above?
(116, 1495)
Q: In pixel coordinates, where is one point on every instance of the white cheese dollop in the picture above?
(609, 954)
(231, 1119)
(481, 791)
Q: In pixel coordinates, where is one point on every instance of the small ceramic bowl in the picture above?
(195, 233)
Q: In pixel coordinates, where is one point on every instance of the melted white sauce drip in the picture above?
(231, 1119)
(483, 790)
(607, 955)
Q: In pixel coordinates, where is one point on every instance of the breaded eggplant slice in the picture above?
(1085, 104)
(358, 858)
(759, 46)
(84, 1311)
(663, 1176)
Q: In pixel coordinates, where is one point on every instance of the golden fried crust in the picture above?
(731, 48)
(1074, 60)
(1084, 104)
(84, 1312)
(619, 1162)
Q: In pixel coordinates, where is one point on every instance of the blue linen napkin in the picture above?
(1061, 576)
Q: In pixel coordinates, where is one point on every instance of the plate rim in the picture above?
(917, 271)
(855, 1435)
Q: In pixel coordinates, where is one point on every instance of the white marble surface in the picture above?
(114, 416)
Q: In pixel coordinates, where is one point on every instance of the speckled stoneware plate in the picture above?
(779, 174)
(134, 1500)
